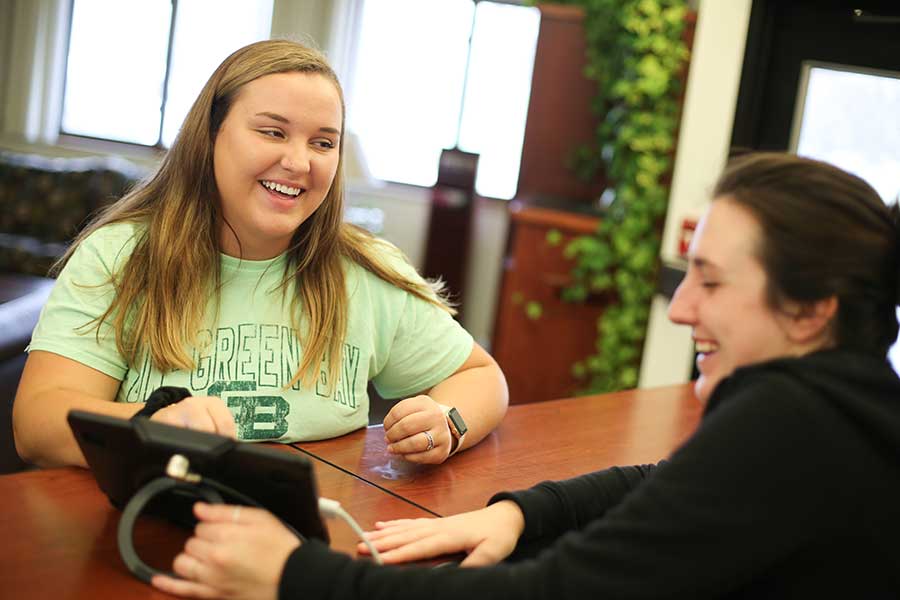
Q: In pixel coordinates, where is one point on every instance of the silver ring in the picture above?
(430, 441)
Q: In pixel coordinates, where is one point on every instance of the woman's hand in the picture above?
(487, 535)
(477, 389)
(202, 413)
(236, 552)
(417, 430)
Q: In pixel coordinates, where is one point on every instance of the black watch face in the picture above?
(457, 421)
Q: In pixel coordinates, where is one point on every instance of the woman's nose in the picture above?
(296, 158)
(682, 309)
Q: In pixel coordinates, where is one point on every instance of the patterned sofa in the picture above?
(44, 203)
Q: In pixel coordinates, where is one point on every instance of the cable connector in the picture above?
(179, 467)
(332, 508)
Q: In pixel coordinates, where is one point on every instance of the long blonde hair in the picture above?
(159, 301)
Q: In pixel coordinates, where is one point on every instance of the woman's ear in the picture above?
(811, 321)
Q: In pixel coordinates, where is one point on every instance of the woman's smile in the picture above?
(282, 196)
(706, 351)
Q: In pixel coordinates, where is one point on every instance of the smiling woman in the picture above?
(229, 273)
(726, 278)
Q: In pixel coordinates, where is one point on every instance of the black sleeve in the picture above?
(552, 508)
(745, 491)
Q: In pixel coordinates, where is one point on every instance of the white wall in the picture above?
(485, 268)
(703, 142)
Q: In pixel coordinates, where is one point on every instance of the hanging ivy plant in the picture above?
(636, 54)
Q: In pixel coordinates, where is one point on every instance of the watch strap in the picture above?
(160, 398)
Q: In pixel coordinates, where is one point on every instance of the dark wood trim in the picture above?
(668, 279)
(753, 75)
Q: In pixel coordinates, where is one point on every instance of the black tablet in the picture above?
(126, 454)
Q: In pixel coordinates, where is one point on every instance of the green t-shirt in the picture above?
(247, 352)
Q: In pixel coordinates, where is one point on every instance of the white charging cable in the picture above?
(332, 508)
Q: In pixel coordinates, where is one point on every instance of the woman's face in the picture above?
(275, 157)
(723, 299)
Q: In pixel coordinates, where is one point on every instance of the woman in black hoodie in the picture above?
(790, 487)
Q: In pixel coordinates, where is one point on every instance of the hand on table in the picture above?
(487, 535)
(417, 430)
(202, 413)
(236, 552)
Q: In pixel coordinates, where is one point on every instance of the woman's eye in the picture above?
(710, 284)
(328, 144)
(273, 133)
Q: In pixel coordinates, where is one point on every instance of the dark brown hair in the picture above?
(825, 233)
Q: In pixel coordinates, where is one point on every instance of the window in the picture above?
(134, 68)
(848, 116)
(434, 74)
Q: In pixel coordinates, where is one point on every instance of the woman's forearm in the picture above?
(479, 394)
(50, 387)
(42, 433)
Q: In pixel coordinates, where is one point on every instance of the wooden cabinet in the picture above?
(559, 110)
(535, 352)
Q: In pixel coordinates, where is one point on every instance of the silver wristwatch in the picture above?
(458, 427)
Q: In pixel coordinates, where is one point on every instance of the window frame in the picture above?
(106, 144)
(346, 46)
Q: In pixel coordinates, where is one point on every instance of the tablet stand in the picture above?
(135, 506)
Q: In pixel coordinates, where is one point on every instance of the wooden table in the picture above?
(535, 442)
(59, 530)
(59, 533)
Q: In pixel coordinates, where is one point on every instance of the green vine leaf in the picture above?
(533, 310)
(636, 54)
(554, 237)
